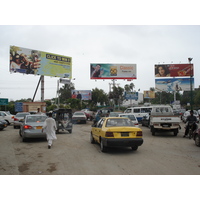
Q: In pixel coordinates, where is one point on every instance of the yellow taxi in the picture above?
(116, 132)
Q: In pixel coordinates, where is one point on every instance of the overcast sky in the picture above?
(143, 45)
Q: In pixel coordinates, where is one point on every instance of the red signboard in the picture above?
(174, 70)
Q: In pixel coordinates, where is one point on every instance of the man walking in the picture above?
(50, 128)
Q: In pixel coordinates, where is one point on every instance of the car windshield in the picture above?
(131, 117)
(119, 122)
(33, 118)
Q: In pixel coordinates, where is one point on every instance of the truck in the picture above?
(163, 119)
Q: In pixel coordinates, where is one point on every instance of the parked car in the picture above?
(32, 127)
(116, 132)
(196, 137)
(187, 113)
(3, 124)
(7, 117)
(145, 120)
(89, 114)
(19, 118)
(131, 117)
(79, 117)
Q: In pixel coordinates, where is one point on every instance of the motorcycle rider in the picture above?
(190, 119)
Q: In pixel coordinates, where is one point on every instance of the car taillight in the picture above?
(139, 133)
(27, 127)
(15, 119)
(109, 134)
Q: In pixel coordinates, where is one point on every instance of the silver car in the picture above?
(131, 117)
(19, 118)
(32, 127)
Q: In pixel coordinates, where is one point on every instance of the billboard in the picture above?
(174, 70)
(131, 95)
(29, 61)
(173, 84)
(112, 71)
(148, 94)
(82, 94)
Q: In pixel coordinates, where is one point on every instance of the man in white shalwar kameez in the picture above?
(50, 128)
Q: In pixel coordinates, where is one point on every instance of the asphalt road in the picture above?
(73, 154)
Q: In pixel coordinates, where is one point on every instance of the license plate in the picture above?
(38, 127)
(124, 134)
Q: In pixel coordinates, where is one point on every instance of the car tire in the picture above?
(153, 131)
(70, 131)
(176, 132)
(92, 139)
(103, 148)
(134, 148)
(197, 140)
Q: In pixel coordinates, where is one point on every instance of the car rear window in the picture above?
(119, 122)
(35, 118)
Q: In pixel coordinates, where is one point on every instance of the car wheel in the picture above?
(134, 148)
(176, 132)
(103, 148)
(92, 139)
(153, 131)
(197, 140)
(70, 131)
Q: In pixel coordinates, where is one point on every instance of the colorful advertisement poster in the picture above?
(112, 71)
(149, 94)
(131, 95)
(82, 94)
(174, 70)
(173, 84)
(29, 61)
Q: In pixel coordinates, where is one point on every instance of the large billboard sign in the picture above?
(29, 61)
(112, 71)
(148, 94)
(82, 94)
(174, 70)
(173, 84)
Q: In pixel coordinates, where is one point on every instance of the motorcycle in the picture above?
(192, 126)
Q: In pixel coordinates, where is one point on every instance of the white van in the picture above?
(139, 112)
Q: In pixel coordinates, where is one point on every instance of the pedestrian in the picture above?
(50, 128)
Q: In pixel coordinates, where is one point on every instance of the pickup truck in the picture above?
(163, 119)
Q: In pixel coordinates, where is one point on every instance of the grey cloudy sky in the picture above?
(144, 45)
(97, 40)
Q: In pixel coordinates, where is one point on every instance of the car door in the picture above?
(97, 130)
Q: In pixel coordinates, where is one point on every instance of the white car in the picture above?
(7, 117)
(79, 117)
(187, 113)
(131, 117)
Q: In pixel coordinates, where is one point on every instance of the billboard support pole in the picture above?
(36, 89)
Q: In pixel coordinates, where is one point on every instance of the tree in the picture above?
(99, 96)
(65, 92)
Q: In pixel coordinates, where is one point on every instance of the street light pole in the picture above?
(191, 92)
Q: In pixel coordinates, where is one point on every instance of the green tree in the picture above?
(65, 92)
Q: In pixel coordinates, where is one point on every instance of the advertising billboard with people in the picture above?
(29, 61)
(148, 94)
(82, 94)
(173, 84)
(174, 70)
(112, 71)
